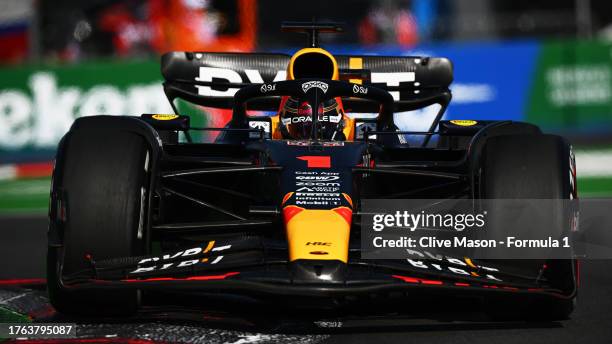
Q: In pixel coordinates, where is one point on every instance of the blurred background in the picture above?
(545, 62)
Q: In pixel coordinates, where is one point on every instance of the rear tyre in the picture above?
(102, 180)
(532, 167)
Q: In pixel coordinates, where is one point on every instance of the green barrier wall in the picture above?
(38, 103)
(572, 87)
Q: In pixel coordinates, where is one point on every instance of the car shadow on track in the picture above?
(194, 325)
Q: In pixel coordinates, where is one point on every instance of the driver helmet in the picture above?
(296, 120)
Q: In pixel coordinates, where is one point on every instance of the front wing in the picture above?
(252, 266)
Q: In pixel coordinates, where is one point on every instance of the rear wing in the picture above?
(212, 79)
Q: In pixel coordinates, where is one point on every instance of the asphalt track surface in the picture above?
(22, 255)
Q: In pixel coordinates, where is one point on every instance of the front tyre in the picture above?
(532, 167)
(100, 183)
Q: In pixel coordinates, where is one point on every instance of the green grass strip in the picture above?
(8, 316)
(595, 187)
(25, 195)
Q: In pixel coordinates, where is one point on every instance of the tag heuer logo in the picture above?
(359, 89)
(318, 84)
(267, 87)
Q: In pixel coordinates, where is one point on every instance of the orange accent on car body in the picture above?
(345, 212)
(290, 74)
(356, 63)
(209, 247)
(317, 225)
(287, 196)
(290, 211)
(469, 262)
(274, 127)
(348, 199)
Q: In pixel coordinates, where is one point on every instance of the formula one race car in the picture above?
(270, 210)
